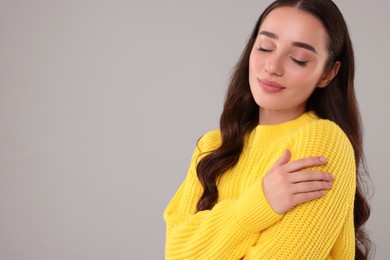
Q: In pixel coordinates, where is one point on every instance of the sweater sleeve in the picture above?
(310, 230)
(227, 231)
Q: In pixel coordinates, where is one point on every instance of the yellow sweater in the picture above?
(242, 225)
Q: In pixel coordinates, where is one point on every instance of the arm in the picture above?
(225, 232)
(310, 230)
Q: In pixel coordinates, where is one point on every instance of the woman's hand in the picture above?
(287, 184)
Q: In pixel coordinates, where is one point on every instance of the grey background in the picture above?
(102, 102)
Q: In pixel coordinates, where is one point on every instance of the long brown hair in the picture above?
(337, 102)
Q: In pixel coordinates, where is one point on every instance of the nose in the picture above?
(274, 66)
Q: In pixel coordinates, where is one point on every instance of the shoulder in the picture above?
(322, 130)
(209, 141)
(323, 137)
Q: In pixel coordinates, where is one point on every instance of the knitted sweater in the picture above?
(242, 224)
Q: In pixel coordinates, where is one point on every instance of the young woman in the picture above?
(280, 178)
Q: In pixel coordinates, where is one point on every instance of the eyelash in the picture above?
(264, 50)
(298, 62)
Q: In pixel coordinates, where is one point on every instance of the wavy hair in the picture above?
(337, 102)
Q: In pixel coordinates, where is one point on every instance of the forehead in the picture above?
(292, 24)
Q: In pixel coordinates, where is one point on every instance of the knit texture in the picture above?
(242, 224)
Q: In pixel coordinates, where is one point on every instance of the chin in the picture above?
(267, 104)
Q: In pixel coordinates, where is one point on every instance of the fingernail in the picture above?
(331, 177)
(322, 159)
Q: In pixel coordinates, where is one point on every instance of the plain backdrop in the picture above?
(101, 105)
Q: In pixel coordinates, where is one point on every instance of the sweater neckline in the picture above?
(267, 133)
(303, 118)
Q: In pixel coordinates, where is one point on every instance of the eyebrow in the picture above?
(295, 43)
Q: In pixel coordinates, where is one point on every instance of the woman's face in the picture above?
(287, 62)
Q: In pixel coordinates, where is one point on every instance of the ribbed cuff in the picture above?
(252, 210)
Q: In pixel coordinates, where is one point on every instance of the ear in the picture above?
(329, 75)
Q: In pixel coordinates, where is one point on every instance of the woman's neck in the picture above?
(272, 117)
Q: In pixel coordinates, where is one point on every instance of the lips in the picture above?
(270, 86)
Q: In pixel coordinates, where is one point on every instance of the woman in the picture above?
(280, 179)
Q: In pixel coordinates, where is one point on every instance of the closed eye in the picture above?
(264, 50)
(299, 62)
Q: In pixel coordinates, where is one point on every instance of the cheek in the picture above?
(255, 62)
(305, 77)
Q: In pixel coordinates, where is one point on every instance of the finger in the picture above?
(304, 163)
(310, 186)
(302, 176)
(282, 160)
(305, 197)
